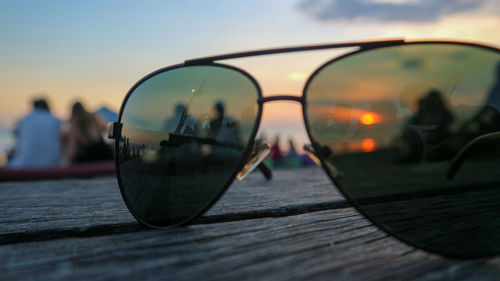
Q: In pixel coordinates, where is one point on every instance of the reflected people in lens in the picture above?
(424, 134)
(213, 134)
(181, 121)
(223, 128)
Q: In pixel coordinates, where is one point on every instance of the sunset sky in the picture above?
(96, 50)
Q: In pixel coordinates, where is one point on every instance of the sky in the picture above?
(96, 50)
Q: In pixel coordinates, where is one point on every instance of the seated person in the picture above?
(38, 138)
(84, 141)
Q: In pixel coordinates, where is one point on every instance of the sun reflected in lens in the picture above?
(368, 145)
(367, 119)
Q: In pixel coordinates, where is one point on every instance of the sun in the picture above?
(367, 119)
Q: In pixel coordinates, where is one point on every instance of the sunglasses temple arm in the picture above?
(465, 152)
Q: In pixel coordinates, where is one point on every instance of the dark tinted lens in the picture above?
(184, 133)
(391, 125)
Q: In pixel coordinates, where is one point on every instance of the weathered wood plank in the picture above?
(38, 206)
(294, 228)
(334, 244)
(80, 204)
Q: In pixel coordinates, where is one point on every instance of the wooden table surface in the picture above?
(295, 227)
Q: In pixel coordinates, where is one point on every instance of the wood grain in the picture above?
(296, 227)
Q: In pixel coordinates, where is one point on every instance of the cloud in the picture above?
(391, 10)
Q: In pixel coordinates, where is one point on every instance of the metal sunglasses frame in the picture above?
(362, 46)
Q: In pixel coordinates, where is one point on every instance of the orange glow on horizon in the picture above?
(282, 112)
(344, 114)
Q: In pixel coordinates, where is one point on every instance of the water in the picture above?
(6, 144)
(6, 139)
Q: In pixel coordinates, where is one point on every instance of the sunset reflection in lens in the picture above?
(388, 123)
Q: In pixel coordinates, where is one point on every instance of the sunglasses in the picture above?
(409, 132)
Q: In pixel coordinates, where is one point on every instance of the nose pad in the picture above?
(310, 152)
(324, 154)
(258, 155)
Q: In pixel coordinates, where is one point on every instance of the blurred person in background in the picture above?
(83, 138)
(38, 139)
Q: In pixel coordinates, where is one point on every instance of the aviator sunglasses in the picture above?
(409, 132)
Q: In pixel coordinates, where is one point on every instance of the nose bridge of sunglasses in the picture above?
(299, 99)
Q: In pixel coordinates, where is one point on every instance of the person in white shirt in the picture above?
(39, 139)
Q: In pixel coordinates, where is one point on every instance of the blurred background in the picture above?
(94, 51)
